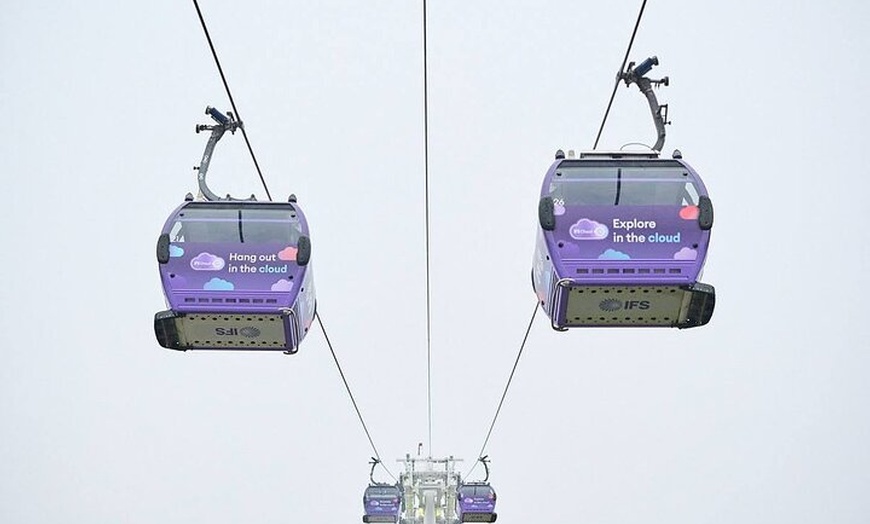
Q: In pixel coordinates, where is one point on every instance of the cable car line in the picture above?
(230, 96)
(619, 75)
(506, 387)
(350, 394)
(428, 272)
(300, 252)
(235, 120)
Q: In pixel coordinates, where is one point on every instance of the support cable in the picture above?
(619, 75)
(268, 194)
(350, 394)
(230, 96)
(428, 272)
(506, 387)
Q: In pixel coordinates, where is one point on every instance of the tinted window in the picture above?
(629, 186)
(385, 492)
(475, 491)
(585, 186)
(236, 225)
(660, 187)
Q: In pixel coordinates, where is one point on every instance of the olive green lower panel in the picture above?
(259, 331)
(636, 305)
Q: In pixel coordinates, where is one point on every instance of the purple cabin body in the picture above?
(476, 502)
(236, 275)
(622, 241)
(382, 503)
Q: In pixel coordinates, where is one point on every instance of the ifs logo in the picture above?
(247, 332)
(611, 304)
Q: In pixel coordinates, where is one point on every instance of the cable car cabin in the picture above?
(622, 240)
(236, 275)
(382, 503)
(476, 502)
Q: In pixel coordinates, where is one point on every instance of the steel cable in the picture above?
(621, 69)
(428, 257)
(506, 387)
(350, 394)
(268, 194)
(230, 96)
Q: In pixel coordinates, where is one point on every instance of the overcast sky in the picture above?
(759, 417)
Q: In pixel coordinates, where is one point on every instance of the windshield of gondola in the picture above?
(382, 492)
(476, 491)
(236, 224)
(620, 185)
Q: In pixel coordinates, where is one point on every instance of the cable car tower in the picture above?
(429, 489)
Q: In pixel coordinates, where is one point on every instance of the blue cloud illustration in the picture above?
(612, 254)
(218, 284)
(175, 251)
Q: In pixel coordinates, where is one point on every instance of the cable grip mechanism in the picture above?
(637, 75)
(223, 123)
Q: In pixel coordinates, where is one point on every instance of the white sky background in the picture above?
(759, 417)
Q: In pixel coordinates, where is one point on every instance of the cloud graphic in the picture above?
(558, 209)
(612, 254)
(207, 262)
(288, 253)
(686, 253)
(175, 251)
(586, 229)
(689, 212)
(283, 285)
(218, 284)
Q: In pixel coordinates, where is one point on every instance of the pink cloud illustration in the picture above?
(586, 229)
(283, 285)
(686, 253)
(689, 213)
(288, 253)
(207, 262)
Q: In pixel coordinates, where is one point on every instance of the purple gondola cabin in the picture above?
(236, 275)
(382, 503)
(476, 502)
(622, 241)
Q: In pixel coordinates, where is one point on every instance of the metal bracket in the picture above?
(555, 295)
(374, 462)
(636, 75)
(485, 461)
(223, 124)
